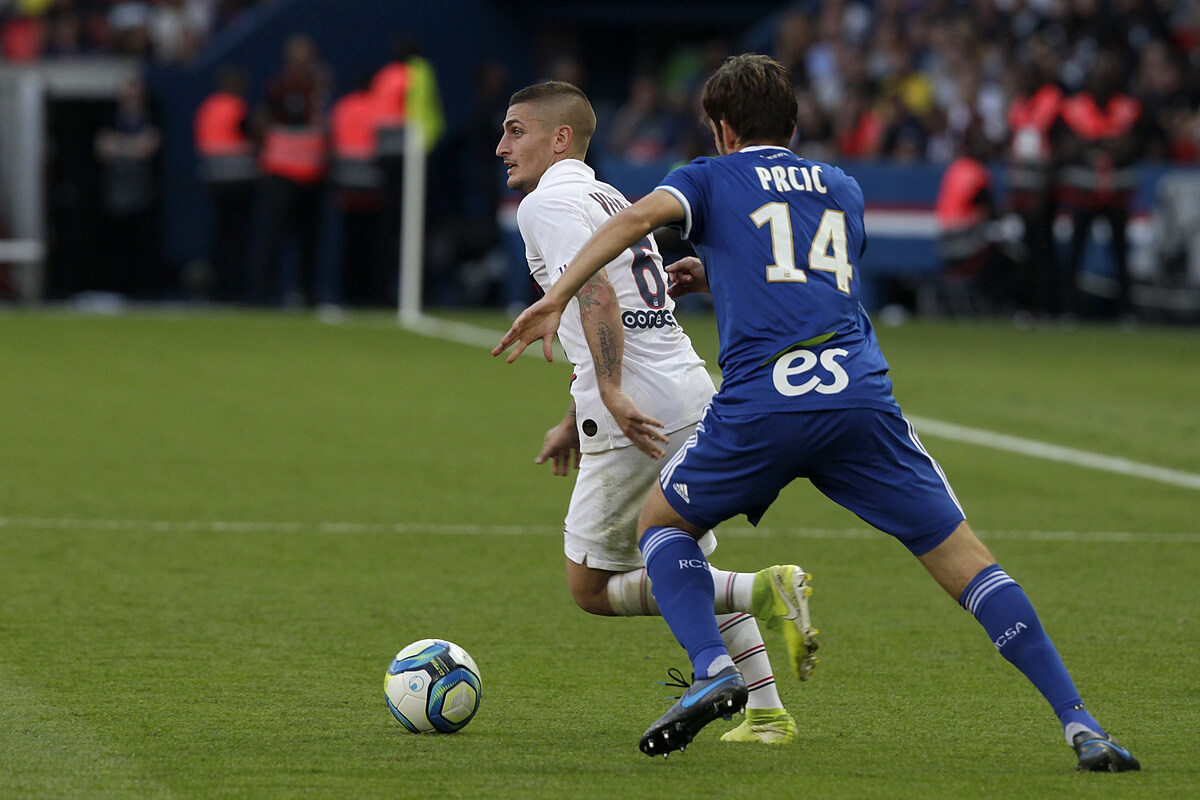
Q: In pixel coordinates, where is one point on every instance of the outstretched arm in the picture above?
(624, 229)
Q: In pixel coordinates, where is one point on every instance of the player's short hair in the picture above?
(754, 95)
(567, 105)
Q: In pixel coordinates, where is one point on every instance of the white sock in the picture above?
(1073, 729)
(719, 663)
(630, 596)
(744, 642)
(733, 591)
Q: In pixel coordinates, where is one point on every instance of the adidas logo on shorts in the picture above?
(681, 490)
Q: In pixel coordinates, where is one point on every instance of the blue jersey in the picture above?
(780, 238)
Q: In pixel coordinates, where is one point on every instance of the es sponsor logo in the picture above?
(797, 372)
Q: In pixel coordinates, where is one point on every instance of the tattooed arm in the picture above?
(601, 316)
(600, 313)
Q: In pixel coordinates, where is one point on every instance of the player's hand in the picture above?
(645, 432)
(561, 446)
(539, 321)
(687, 277)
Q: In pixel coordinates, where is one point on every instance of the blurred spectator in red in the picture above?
(292, 160)
(127, 151)
(21, 38)
(1033, 118)
(358, 185)
(975, 277)
(404, 90)
(858, 126)
(228, 170)
(1103, 132)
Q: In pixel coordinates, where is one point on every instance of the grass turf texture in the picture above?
(217, 531)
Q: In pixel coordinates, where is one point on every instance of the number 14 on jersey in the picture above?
(828, 252)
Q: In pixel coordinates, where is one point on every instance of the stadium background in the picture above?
(82, 50)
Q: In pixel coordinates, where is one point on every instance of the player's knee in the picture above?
(592, 599)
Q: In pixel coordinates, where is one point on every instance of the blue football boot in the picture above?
(1099, 752)
(722, 695)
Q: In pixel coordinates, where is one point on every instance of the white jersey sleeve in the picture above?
(660, 370)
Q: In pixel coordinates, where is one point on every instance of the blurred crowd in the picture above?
(165, 31)
(1069, 94)
(905, 80)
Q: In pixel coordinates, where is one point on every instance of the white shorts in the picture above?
(601, 526)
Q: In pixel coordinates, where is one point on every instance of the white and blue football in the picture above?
(433, 686)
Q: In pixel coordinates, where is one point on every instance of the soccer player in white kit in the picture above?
(630, 354)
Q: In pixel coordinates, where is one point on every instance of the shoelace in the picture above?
(677, 681)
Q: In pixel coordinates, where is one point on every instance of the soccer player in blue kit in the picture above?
(805, 393)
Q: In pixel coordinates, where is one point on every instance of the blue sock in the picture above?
(1004, 611)
(683, 589)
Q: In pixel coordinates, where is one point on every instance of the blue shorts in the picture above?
(867, 461)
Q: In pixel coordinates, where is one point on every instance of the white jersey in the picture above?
(660, 369)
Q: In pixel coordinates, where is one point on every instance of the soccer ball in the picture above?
(432, 686)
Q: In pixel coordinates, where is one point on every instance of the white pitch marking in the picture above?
(1053, 452)
(464, 333)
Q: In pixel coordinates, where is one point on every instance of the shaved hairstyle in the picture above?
(565, 104)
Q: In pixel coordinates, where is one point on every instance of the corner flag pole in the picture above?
(412, 224)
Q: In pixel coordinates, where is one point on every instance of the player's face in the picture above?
(527, 147)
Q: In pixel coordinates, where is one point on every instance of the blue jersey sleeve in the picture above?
(852, 203)
(689, 185)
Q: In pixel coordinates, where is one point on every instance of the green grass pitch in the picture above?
(217, 530)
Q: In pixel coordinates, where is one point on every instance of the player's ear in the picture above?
(563, 137)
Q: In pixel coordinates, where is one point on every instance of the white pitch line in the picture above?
(409, 528)
(1053, 452)
(464, 333)
(473, 335)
